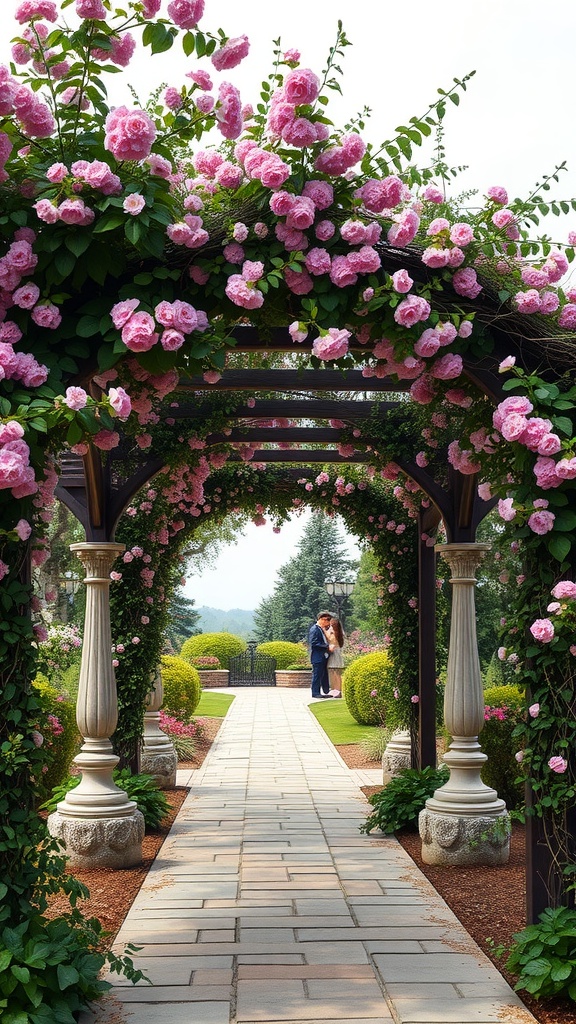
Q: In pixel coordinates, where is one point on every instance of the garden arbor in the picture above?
(99, 489)
(131, 257)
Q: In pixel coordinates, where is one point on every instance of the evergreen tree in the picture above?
(300, 592)
(365, 613)
(182, 621)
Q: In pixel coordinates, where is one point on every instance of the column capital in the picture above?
(463, 559)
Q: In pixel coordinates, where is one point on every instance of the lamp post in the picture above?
(339, 591)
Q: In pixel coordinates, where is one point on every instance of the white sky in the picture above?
(513, 125)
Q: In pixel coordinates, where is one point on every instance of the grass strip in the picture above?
(213, 705)
(338, 724)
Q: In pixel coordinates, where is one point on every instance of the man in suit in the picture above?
(319, 652)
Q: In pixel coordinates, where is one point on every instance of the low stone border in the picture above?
(293, 678)
(213, 677)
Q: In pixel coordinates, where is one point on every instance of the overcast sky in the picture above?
(513, 125)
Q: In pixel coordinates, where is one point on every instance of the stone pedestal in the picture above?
(397, 755)
(158, 756)
(98, 824)
(465, 822)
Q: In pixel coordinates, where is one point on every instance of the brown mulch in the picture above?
(489, 901)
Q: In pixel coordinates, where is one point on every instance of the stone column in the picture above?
(397, 755)
(464, 822)
(158, 757)
(97, 823)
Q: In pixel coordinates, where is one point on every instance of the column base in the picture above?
(397, 755)
(100, 842)
(161, 763)
(464, 839)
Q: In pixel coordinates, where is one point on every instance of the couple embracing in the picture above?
(326, 641)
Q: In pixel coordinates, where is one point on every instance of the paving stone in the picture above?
(453, 967)
(461, 1011)
(175, 994)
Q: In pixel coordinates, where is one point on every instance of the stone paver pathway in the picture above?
(267, 905)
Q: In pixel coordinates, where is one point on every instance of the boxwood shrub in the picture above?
(58, 728)
(182, 687)
(220, 645)
(369, 673)
(285, 652)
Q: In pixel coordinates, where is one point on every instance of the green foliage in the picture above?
(299, 667)
(374, 745)
(51, 970)
(338, 724)
(284, 652)
(57, 724)
(398, 805)
(183, 619)
(220, 645)
(141, 788)
(368, 685)
(544, 955)
(182, 687)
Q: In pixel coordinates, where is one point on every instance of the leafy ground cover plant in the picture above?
(544, 955)
(398, 805)
(141, 788)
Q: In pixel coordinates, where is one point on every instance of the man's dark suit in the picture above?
(319, 651)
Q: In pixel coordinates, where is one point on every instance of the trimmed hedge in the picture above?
(285, 652)
(367, 673)
(182, 687)
(59, 730)
(505, 697)
(220, 645)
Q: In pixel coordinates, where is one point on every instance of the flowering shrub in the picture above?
(60, 649)
(58, 732)
(206, 663)
(183, 734)
(503, 711)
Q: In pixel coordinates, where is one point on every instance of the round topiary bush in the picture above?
(57, 726)
(369, 673)
(504, 708)
(285, 652)
(182, 687)
(221, 645)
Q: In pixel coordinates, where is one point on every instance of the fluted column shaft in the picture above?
(158, 757)
(459, 823)
(97, 823)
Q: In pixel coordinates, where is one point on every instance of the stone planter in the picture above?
(294, 678)
(212, 678)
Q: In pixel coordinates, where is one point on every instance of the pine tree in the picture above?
(182, 621)
(300, 593)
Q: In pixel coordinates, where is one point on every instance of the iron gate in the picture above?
(252, 668)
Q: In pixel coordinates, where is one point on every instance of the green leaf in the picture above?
(559, 547)
(108, 223)
(188, 43)
(77, 243)
(88, 326)
(565, 521)
(67, 976)
(564, 424)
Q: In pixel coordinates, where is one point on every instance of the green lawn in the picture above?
(213, 705)
(338, 724)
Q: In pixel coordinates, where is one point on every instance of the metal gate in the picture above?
(252, 668)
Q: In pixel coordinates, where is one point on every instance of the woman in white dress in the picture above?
(335, 637)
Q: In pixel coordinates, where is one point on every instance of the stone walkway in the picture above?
(267, 905)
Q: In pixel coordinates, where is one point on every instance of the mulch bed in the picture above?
(489, 901)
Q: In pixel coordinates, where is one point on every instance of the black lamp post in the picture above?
(339, 591)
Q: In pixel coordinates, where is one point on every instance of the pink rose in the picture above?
(334, 345)
(401, 281)
(566, 588)
(558, 764)
(301, 86)
(186, 13)
(120, 402)
(138, 334)
(231, 53)
(75, 398)
(411, 310)
(543, 630)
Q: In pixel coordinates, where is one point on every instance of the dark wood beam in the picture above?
(319, 456)
(292, 409)
(294, 380)
(315, 435)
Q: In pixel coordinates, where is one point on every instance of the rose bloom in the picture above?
(534, 710)
(564, 589)
(134, 204)
(558, 764)
(543, 630)
(75, 398)
(541, 522)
